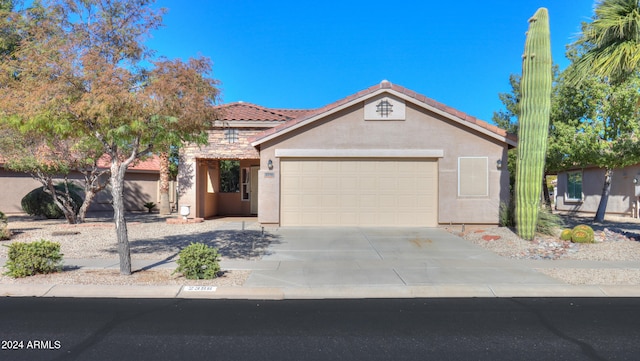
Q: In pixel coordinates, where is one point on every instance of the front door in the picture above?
(253, 184)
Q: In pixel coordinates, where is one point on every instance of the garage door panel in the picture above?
(361, 192)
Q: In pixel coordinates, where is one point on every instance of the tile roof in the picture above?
(253, 112)
(151, 164)
(419, 98)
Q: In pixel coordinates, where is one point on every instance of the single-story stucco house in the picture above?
(580, 190)
(141, 186)
(385, 156)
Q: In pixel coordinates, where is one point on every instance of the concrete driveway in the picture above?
(393, 257)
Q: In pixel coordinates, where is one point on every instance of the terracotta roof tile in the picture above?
(151, 164)
(248, 111)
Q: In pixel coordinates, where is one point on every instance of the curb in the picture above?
(266, 293)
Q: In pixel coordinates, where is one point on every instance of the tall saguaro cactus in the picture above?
(535, 86)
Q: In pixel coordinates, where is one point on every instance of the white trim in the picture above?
(360, 153)
(245, 182)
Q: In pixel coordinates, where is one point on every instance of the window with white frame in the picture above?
(473, 177)
(574, 186)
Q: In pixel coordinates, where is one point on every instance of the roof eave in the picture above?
(464, 122)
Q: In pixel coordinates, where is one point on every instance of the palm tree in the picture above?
(609, 46)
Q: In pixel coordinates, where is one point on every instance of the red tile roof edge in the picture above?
(400, 89)
(151, 164)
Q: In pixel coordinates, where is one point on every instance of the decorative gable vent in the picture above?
(384, 108)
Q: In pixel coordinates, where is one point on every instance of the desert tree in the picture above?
(49, 161)
(83, 71)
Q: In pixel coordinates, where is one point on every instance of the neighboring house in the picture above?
(385, 156)
(580, 190)
(141, 186)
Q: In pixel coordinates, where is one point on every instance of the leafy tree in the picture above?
(606, 132)
(607, 53)
(8, 34)
(84, 72)
(46, 158)
(508, 119)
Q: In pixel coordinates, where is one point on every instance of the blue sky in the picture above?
(299, 54)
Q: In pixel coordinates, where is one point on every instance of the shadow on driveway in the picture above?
(231, 244)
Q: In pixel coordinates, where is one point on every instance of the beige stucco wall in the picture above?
(347, 129)
(139, 189)
(622, 198)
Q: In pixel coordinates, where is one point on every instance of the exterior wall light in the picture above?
(635, 180)
(499, 164)
(270, 164)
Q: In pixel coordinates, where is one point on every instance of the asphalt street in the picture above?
(383, 329)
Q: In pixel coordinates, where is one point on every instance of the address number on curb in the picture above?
(199, 288)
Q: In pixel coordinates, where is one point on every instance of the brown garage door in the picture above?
(358, 192)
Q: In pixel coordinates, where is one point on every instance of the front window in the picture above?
(574, 186)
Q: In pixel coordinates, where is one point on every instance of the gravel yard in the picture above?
(618, 239)
(152, 238)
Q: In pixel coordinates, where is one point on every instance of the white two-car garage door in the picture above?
(358, 192)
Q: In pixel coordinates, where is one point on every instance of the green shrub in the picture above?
(582, 234)
(566, 235)
(27, 259)
(39, 203)
(507, 218)
(4, 230)
(198, 261)
(5, 233)
(548, 223)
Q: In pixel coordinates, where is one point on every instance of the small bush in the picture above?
(28, 259)
(4, 230)
(507, 215)
(39, 203)
(5, 233)
(582, 234)
(566, 234)
(198, 261)
(548, 223)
